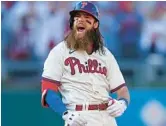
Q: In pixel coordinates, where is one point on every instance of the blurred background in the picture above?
(135, 32)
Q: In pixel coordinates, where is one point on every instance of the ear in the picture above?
(96, 24)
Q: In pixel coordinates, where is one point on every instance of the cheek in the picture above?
(89, 26)
(89, 22)
(75, 19)
(74, 25)
(75, 22)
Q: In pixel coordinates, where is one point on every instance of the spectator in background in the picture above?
(19, 9)
(145, 7)
(5, 37)
(130, 22)
(51, 31)
(109, 26)
(21, 47)
(6, 7)
(153, 41)
(20, 25)
(154, 30)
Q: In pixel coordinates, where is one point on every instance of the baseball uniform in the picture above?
(84, 80)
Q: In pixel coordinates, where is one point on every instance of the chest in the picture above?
(85, 65)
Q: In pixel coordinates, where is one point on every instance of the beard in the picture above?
(80, 43)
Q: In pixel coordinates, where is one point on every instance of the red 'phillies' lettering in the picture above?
(92, 66)
(72, 61)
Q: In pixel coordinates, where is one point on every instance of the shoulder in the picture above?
(60, 47)
(108, 53)
(59, 50)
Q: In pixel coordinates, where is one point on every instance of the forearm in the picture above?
(54, 102)
(123, 93)
(51, 97)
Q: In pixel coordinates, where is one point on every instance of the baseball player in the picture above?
(84, 72)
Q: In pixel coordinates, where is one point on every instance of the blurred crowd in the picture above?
(130, 29)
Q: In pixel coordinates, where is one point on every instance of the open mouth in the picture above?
(80, 29)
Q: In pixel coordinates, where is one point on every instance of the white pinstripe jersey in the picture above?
(83, 78)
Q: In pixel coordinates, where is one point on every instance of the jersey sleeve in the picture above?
(114, 75)
(52, 72)
(53, 66)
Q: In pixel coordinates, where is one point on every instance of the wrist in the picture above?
(125, 100)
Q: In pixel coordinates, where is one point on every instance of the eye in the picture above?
(76, 17)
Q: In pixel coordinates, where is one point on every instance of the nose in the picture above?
(81, 19)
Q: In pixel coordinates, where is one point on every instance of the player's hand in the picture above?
(73, 119)
(116, 108)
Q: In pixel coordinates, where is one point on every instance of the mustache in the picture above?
(80, 43)
(89, 35)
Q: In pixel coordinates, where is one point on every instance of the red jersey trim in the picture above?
(52, 81)
(117, 88)
(45, 85)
